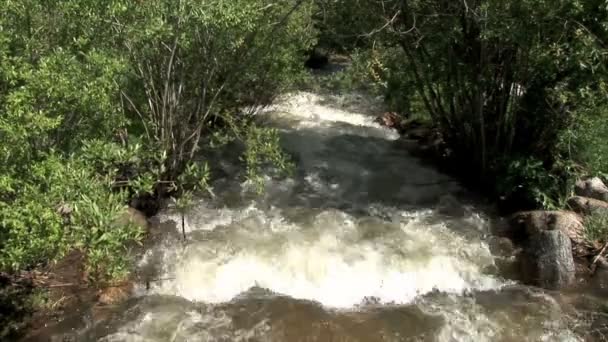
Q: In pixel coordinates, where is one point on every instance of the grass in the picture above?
(596, 226)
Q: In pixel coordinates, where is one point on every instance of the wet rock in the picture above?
(586, 206)
(389, 119)
(502, 246)
(548, 260)
(592, 188)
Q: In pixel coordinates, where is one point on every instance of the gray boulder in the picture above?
(548, 260)
(586, 206)
(592, 188)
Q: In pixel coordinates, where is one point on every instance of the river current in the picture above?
(363, 243)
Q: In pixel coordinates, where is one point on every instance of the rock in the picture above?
(528, 223)
(115, 294)
(547, 238)
(134, 216)
(592, 188)
(502, 246)
(548, 260)
(587, 206)
(388, 119)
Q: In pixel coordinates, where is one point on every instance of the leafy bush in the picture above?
(586, 141)
(102, 101)
(198, 65)
(527, 181)
(501, 80)
(62, 204)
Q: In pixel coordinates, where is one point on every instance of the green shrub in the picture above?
(596, 226)
(60, 205)
(586, 141)
(196, 66)
(101, 101)
(501, 80)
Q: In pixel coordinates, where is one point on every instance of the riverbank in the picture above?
(582, 221)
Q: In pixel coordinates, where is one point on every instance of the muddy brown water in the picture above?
(362, 243)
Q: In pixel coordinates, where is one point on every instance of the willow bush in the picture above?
(516, 87)
(103, 101)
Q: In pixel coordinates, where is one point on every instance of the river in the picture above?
(362, 243)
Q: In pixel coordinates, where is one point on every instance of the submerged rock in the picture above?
(592, 188)
(587, 206)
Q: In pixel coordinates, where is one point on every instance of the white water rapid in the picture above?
(363, 243)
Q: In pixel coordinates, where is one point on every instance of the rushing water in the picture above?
(363, 243)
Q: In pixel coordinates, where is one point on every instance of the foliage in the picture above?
(501, 80)
(261, 150)
(192, 83)
(585, 142)
(527, 180)
(15, 303)
(52, 211)
(596, 226)
(104, 101)
(344, 25)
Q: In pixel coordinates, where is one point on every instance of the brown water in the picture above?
(363, 243)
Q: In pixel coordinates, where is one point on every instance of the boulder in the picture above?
(548, 261)
(592, 188)
(528, 223)
(547, 238)
(587, 206)
(133, 216)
